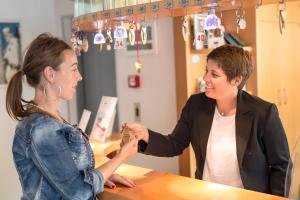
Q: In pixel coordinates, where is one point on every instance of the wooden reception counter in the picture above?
(154, 185)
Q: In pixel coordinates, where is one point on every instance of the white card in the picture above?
(84, 119)
(104, 119)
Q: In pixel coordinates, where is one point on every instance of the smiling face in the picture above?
(217, 84)
(67, 76)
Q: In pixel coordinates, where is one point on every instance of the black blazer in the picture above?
(262, 148)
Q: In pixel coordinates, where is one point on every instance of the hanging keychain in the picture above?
(109, 39)
(120, 35)
(76, 41)
(143, 32)
(138, 63)
(258, 3)
(218, 31)
(85, 43)
(281, 10)
(200, 37)
(185, 28)
(99, 40)
(131, 33)
(79, 42)
(73, 40)
(240, 17)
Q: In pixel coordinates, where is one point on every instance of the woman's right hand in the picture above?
(126, 151)
(138, 131)
(129, 149)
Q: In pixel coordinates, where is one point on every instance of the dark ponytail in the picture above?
(14, 104)
(43, 51)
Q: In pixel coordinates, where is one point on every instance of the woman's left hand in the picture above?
(115, 178)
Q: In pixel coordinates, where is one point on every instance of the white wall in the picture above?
(62, 8)
(35, 17)
(157, 94)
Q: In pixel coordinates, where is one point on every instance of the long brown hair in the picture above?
(43, 51)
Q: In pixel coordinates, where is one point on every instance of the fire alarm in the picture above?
(134, 81)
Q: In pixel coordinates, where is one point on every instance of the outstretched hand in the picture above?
(138, 131)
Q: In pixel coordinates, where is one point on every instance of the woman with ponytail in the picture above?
(53, 158)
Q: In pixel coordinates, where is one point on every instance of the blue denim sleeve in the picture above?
(51, 154)
(98, 182)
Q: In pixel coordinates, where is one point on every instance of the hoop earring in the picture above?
(59, 88)
(44, 91)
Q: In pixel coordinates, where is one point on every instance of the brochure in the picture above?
(104, 120)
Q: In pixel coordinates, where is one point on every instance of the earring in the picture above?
(59, 88)
(44, 91)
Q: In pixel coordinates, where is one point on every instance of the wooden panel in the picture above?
(279, 64)
(268, 60)
(181, 86)
(290, 87)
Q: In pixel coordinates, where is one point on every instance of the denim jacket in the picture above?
(54, 161)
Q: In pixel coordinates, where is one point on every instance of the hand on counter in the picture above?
(139, 132)
(115, 178)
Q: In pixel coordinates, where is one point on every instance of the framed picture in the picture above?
(144, 49)
(10, 50)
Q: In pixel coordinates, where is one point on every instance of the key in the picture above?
(125, 134)
(237, 25)
(281, 21)
(281, 9)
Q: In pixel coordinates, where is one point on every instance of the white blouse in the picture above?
(221, 164)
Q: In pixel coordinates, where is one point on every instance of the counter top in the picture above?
(154, 185)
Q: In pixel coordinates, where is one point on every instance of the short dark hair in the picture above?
(45, 50)
(234, 61)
